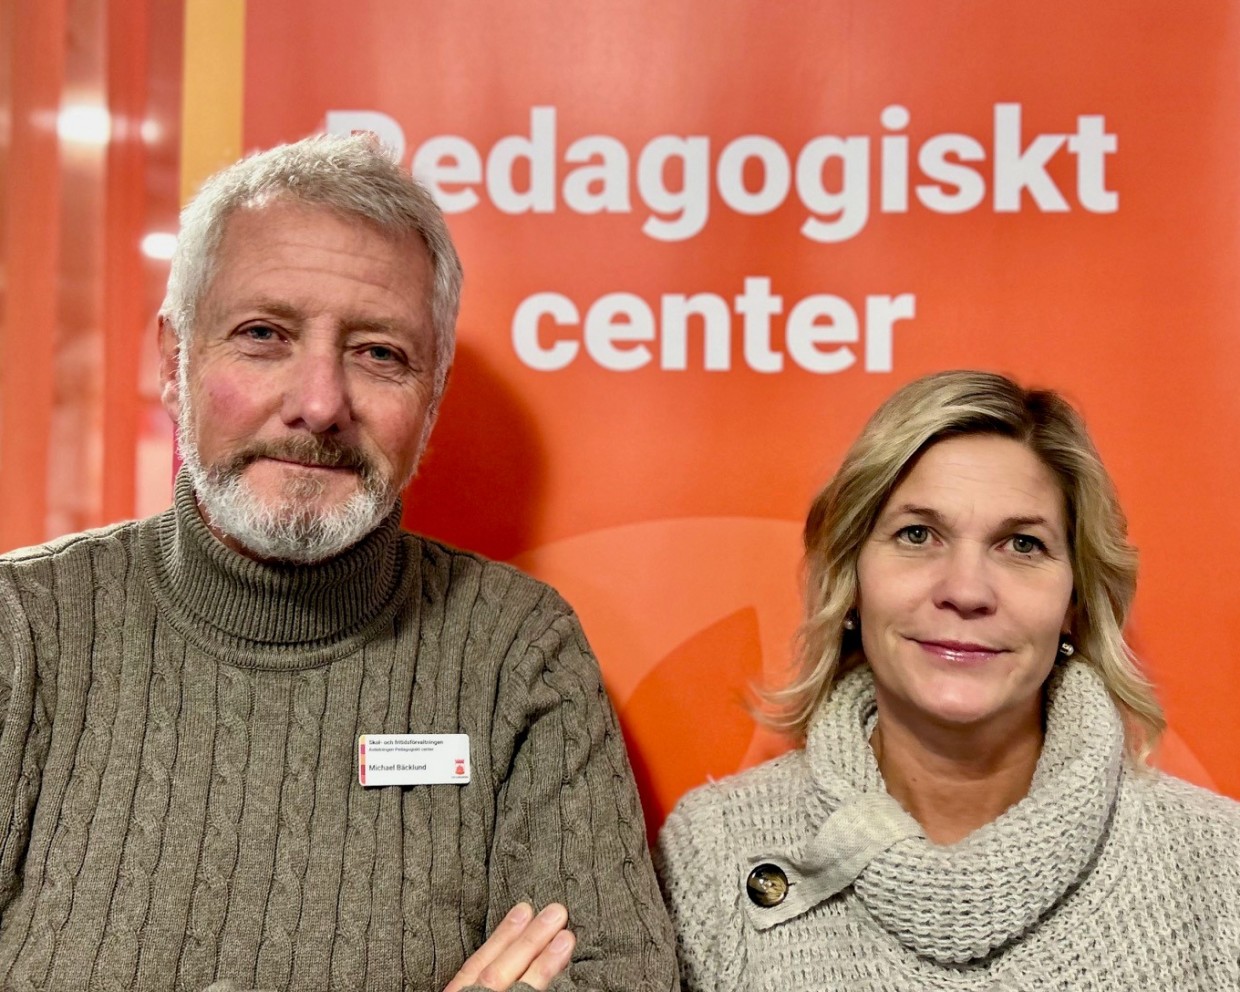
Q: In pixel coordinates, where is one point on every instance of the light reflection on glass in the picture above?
(159, 245)
(84, 124)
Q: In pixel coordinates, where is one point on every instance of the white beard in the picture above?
(288, 528)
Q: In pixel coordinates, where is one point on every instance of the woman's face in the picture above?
(965, 586)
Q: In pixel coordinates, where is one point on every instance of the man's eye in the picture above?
(383, 357)
(259, 332)
(915, 534)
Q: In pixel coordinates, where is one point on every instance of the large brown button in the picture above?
(767, 885)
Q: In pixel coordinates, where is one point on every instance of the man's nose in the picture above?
(965, 582)
(316, 397)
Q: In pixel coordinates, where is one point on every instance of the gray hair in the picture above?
(349, 175)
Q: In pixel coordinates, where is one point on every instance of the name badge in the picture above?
(413, 759)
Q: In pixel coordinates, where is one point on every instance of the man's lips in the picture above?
(307, 466)
(298, 463)
(958, 651)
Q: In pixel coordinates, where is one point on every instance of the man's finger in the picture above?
(553, 960)
(517, 957)
(510, 928)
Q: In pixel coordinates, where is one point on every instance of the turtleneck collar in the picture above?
(958, 903)
(271, 615)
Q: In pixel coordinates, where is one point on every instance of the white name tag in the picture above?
(413, 759)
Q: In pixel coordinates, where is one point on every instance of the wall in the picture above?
(703, 240)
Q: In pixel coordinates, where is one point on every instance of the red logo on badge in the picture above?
(460, 766)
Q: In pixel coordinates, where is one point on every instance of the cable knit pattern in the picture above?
(1102, 878)
(179, 805)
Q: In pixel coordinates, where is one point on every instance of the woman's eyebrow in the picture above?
(933, 516)
(1027, 521)
(914, 510)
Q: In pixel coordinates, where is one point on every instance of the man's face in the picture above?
(302, 392)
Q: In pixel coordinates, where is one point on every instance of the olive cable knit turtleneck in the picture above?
(179, 802)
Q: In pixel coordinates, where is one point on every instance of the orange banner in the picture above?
(704, 239)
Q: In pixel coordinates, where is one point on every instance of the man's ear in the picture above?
(169, 355)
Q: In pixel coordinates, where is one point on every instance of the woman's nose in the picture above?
(965, 583)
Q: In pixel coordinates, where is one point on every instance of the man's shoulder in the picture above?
(67, 569)
(84, 543)
(453, 572)
(504, 612)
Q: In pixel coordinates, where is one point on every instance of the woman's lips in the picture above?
(961, 652)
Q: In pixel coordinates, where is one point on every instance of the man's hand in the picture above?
(523, 948)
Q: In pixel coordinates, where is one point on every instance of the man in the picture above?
(185, 699)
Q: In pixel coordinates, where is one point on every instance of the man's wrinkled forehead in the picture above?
(227, 240)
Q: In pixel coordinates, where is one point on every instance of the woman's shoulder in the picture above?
(724, 821)
(770, 787)
(1200, 825)
(1188, 802)
(702, 852)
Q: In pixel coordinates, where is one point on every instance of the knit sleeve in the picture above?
(22, 724)
(693, 860)
(569, 824)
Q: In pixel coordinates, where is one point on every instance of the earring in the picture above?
(850, 620)
(1066, 647)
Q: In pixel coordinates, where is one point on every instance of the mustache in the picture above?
(326, 452)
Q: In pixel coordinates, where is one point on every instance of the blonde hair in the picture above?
(842, 515)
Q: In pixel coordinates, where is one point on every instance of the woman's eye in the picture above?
(1023, 544)
(915, 534)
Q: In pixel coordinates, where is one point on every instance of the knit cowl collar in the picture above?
(270, 614)
(958, 903)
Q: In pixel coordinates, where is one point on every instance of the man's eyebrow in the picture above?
(268, 307)
(263, 306)
(368, 325)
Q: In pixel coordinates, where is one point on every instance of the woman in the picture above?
(971, 809)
